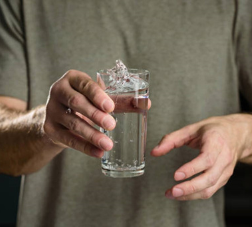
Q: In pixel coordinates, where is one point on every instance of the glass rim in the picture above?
(130, 70)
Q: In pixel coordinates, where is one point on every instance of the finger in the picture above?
(81, 104)
(85, 119)
(210, 151)
(195, 185)
(206, 193)
(142, 103)
(205, 180)
(90, 89)
(175, 139)
(69, 139)
(80, 127)
(149, 104)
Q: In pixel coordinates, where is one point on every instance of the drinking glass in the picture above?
(127, 157)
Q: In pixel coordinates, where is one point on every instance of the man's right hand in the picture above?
(89, 105)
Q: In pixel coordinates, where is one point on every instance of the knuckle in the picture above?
(92, 89)
(209, 159)
(73, 125)
(91, 137)
(54, 88)
(206, 194)
(192, 170)
(70, 72)
(86, 86)
(95, 113)
(211, 134)
(72, 143)
(86, 148)
(74, 101)
(212, 180)
(191, 189)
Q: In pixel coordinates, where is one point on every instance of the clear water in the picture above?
(129, 91)
(126, 159)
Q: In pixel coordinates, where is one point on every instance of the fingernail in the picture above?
(108, 122)
(106, 144)
(97, 153)
(107, 105)
(179, 176)
(177, 192)
(169, 195)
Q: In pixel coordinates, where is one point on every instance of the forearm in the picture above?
(24, 146)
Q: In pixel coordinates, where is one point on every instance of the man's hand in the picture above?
(222, 142)
(89, 105)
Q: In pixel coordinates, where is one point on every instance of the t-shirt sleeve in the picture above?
(243, 41)
(13, 65)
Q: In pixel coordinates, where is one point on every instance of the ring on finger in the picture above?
(68, 111)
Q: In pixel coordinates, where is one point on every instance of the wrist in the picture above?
(244, 132)
(39, 116)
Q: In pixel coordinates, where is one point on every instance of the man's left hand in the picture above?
(222, 142)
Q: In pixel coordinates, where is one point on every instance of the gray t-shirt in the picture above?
(199, 55)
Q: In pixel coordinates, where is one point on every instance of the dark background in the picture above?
(238, 205)
(238, 197)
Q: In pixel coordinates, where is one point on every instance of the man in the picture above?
(199, 55)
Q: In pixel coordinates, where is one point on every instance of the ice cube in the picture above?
(121, 80)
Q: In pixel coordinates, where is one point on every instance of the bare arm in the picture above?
(30, 139)
(24, 146)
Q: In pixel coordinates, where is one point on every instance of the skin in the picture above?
(89, 104)
(42, 133)
(222, 142)
(24, 146)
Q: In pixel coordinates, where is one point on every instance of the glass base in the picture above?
(123, 174)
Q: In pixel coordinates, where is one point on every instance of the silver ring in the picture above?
(68, 111)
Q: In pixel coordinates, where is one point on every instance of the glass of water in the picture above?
(127, 157)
